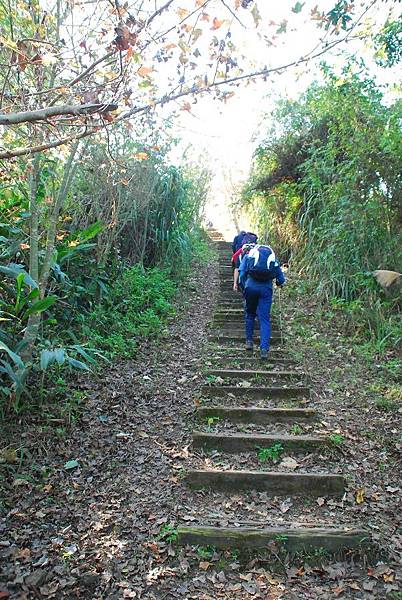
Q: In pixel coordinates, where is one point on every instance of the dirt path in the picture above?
(101, 530)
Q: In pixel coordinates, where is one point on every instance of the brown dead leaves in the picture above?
(124, 38)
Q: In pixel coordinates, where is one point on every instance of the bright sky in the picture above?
(223, 132)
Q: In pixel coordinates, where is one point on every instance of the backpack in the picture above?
(265, 263)
(248, 238)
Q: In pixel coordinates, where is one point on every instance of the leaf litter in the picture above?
(93, 529)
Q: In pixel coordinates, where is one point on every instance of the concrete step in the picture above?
(242, 361)
(228, 352)
(247, 442)
(260, 393)
(288, 539)
(272, 483)
(238, 329)
(251, 374)
(231, 303)
(240, 337)
(254, 414)
(238, 325)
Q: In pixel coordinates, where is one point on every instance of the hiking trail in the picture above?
(243, 381)
(195, 450)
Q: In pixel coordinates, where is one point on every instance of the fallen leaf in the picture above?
(368, 586)
(354, 585)
(71, 464)
(391, 489)
(204, 565)
(320, 501)
(8, 455)
(286, 505)
(360, 496)
(289, 463)
(24, 553)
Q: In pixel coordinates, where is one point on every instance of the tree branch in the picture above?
(262, 73)
(33, 149)
(85, 73)
(53, 111)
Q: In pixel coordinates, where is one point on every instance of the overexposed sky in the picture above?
(223, 131)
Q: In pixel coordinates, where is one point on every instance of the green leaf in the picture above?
(90, 232)
(256, 15)
(13, 270)
(282, 27)
(33, 294)
(40, 305)
(48, 357)
(298, 7)
(71, 464)
(84, 354)
(77, 364)
(14, 357)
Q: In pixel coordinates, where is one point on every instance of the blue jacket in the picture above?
(245, 265)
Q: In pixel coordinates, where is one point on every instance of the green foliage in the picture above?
(388, 44)
(168, 533)
(136, 306)
(326, 190)
(296, 429)
(210, 422)
(206, 552)
(272, 453)
(336, 439)
(95, 302)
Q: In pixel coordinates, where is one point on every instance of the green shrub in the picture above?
(325, 191)
(137, 305)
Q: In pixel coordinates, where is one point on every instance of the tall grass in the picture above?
(326, 190)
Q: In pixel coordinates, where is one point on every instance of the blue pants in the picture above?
(258, 297)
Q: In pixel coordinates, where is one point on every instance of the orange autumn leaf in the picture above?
(199, 2)
(205, 17)
(144, 71)
(24, 246)
(141, 156)
(129, 54)
(186, 106)
(216, 24)
(170, 46)
(182, 12)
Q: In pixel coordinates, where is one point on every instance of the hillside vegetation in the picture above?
(325, 189)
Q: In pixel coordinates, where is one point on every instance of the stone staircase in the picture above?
(247, 395)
